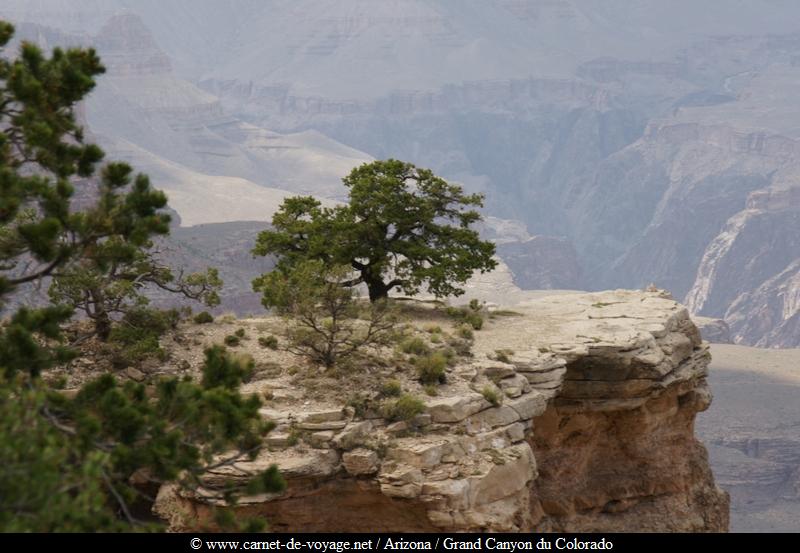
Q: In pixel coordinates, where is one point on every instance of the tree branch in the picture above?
(395, 282)
(39, 274)
(352, 282)
(120, 501)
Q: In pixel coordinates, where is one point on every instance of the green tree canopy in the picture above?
(403, 227)
(42, 153)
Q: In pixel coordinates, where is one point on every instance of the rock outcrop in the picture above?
(715, 331)
(771, 312)
(587, 425)
(750, 272)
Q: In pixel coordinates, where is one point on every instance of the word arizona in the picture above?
(403, 544)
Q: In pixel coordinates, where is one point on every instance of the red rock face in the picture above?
(635, 470)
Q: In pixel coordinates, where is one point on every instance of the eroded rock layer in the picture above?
(593, 430)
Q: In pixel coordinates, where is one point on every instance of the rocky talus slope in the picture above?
(593, 430)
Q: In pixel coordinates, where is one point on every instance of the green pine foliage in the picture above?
(46, 484)
(109, 281)
(68, 463)
(138, 336)
(68, 459)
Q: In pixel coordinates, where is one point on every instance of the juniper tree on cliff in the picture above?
(403, 227)
(68, 461)
(323, 318)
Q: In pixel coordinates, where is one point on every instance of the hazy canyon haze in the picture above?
(619, 143)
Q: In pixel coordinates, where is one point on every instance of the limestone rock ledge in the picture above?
(595, 433)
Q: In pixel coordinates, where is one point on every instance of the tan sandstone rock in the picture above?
(594, 433)
(361, 461)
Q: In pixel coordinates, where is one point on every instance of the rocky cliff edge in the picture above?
(592, 429)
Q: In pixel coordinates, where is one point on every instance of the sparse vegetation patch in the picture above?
(404, 408)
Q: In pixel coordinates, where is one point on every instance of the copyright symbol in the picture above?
(196, 543)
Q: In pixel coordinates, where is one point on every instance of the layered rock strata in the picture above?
(590, 429)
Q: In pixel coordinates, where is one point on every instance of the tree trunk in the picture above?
(102, 322)
(377, 290)
(103, 327)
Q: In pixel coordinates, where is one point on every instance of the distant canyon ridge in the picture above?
(618, 144)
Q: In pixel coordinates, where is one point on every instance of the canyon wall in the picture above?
(592, 429)
(668, 156)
